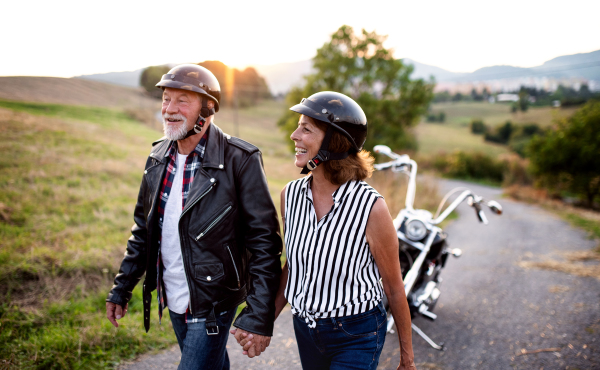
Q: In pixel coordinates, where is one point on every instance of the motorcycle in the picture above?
(423, 247)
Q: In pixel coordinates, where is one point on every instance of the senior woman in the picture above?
(340, 242)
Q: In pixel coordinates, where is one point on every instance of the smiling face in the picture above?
(180, 110)
(308, 138)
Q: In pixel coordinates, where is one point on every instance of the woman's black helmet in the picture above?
(195, 78)
(339, 112)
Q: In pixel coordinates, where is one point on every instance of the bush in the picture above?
(567, 158)
(439, 118)
(467, 165)
(478, 127)
(522, 136)
(501, 134)
(508, 169)
(516, 171)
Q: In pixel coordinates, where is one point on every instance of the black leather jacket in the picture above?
(228, 230)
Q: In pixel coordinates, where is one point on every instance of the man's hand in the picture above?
(253, 344)
(115, 312)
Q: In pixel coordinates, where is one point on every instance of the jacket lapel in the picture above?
(213, 158)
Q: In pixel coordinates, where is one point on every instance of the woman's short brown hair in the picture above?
(357, 166)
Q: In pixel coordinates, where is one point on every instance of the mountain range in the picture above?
(281, 77)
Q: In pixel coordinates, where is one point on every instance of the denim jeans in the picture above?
(348, 342)
(199, 350)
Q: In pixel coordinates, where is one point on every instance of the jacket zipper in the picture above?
(234, 266)
(184, 264)
(212, 224)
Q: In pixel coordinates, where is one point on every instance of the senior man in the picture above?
(206, 232)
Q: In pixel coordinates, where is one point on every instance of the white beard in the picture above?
(177, 132)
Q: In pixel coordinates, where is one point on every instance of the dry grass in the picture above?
(73, 91)
(68, 184)
(566, 266)
(393, 188)
(61, 217)
(455, 133)
(558, 289)
(587, 219)
(461, 113)
(580, 263)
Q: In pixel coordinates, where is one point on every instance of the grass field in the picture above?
(455, 133)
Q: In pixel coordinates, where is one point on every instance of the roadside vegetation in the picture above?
(67, 189)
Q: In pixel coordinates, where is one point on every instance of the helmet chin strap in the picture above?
(323, 155)
(205, 112)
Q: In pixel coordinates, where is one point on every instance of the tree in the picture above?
(247, 85)
(150, 77)
(478, 127)
(501, 134)
(360, 67)
(568, 156)
(523, 101)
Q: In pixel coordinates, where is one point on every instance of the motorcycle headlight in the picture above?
(415, 230)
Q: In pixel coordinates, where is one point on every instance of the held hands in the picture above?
(253, 344)
(410, 366)
(115, 312)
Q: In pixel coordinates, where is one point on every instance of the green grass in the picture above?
(591, 226)
(75, 334)
(69, 178)
(435, 138)
(455, 133)
(460, 114)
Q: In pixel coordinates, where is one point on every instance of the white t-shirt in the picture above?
(174, 279)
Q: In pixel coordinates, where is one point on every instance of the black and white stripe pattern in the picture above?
(332, 272)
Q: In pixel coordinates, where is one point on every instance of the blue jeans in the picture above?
(199, 350)
(348, 342)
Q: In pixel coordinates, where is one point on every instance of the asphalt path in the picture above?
(492, 313)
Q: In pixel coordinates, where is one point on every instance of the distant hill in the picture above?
(73, 91)
(128, 78)
(282, 76)
(583, 65)
(424, 71)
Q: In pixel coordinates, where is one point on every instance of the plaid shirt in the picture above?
(192, 163)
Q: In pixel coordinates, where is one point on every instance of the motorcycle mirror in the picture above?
(495, 207)
(383, 149)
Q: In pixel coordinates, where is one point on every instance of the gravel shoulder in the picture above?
(493, 313)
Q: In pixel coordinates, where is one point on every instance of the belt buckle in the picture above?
(212, 331)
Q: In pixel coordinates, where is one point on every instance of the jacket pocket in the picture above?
(235, 267)
(208, 272)
(220, 216)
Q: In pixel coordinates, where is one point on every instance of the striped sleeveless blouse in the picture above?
(331, 270)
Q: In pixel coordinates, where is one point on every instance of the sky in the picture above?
(70, 38)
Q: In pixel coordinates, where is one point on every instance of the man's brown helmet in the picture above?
(194, 78)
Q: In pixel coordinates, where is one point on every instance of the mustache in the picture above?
(177, 116)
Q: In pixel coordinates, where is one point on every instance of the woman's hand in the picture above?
(412, 366)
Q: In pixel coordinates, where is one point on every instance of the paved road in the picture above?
(490, 308)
